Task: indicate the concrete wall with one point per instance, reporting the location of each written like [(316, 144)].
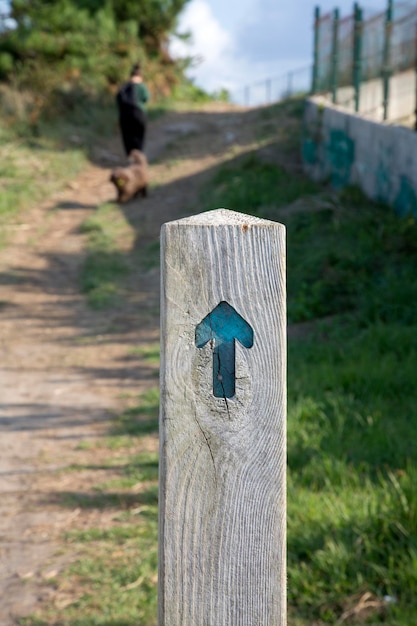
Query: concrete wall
[(402, 98), (347, 149)]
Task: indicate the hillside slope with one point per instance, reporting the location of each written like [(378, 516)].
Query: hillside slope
[(68, 368)]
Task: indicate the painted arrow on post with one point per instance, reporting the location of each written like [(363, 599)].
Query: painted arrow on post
[(222, 327)]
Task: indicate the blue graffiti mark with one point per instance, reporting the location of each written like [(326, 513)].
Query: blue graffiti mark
[(383, 183), (341, 151), (406, 200), (222, 327), (309, 151), (383, 174)]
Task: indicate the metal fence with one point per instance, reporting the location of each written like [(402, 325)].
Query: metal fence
[(274, 89), (372, 49)]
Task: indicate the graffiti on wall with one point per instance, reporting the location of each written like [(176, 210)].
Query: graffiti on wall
[(337, 159), (383, 175), (312, 135), (309, 150), (341, 155), (406, 200)]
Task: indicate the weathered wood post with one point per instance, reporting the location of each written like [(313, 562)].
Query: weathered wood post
[(222, 520)]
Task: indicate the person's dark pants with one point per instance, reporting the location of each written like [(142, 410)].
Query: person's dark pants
[(133, 128)]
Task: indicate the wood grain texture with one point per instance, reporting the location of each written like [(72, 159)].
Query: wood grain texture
[(223, 461)]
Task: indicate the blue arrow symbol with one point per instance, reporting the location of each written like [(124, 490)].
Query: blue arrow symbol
[(222, 327)]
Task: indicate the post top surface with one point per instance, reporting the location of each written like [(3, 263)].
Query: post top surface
[(226, 217)]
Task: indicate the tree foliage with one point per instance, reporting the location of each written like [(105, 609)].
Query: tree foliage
[(84, 42), (154, 18)]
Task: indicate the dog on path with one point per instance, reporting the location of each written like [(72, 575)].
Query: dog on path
[(132, 179)]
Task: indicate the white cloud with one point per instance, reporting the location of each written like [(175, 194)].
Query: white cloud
[(242, 42), (211, 44)]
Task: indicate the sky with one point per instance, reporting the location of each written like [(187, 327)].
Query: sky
[(243, 42)]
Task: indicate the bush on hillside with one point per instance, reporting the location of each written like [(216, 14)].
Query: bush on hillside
[(64, 51)]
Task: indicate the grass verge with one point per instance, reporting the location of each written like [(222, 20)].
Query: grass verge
[(352, 422), (112, 582), (108, 234), (30, 172)]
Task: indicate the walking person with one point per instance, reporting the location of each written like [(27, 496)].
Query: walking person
[(131, 101)]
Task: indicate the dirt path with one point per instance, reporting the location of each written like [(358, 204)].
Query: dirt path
[(66, 369)]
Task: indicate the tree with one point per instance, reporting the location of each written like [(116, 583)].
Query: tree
[(155, 18), (85, 41)]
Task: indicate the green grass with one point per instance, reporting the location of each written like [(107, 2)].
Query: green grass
[(29, 173), (352, 521), (105, 264), (149, 353), (352, 418), (141, 419), (253, 186), (39, 157), (113, 580), (360, 257), (139, 468), (149, 255), (352, 421)]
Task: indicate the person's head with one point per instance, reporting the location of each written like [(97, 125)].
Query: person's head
[(136, 71)]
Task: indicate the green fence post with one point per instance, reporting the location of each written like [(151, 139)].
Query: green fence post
[(357, 53), (290, 84), (268, 91), (386, 69), (415, 123), (335, 56), (314, 84)]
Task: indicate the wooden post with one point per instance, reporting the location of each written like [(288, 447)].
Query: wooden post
[(222, 519)]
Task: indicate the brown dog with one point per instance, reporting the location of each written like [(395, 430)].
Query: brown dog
[(132, 179)]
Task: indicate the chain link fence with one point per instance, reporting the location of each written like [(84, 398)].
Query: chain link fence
[(367, 61), (275, 89)]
